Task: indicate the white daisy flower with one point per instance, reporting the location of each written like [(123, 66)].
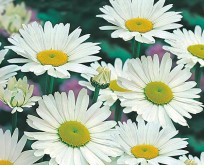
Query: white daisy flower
[(7, 71), (3, 3), (159, 93), (108, 95), (18, 94), (12, 150), (140, 19), (188, 46), (70, 132), (2, 54), (53, 49), (113, 162), (190, 160), (148, 144)]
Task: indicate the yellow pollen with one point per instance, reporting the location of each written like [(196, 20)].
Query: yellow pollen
[(5, 162), (190, 162), (158, 93), (141, 25), (52, 57), (145, 151), (115, 87), (197, 50), (74, 134)]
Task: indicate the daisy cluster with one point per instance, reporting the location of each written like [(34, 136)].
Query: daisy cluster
[(76, 130)]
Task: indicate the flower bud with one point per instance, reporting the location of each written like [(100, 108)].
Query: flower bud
[(102, 80), (18, 94)]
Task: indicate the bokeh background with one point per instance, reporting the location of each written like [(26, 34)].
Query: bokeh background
[(83, 13)]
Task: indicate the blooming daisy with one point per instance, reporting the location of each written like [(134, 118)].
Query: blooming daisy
[(70, 132), (108, 95), (18, 94), (190, 160), (7, 71), (148, 144), (53, 49), (11, 150), (140, 19), (159, 93), (2, 54), (188, 46)]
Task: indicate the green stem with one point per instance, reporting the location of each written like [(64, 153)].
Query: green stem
[(134, 48), (96, 94), (118, 111), (198, 74), (138, 49), (52, 80), (46, 83), (14, 121)]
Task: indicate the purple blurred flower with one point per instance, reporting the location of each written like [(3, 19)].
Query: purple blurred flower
[(36, 91), (124, 118), (4, 107), (156, 49), (34, 15), (201, 81), (72, 84)]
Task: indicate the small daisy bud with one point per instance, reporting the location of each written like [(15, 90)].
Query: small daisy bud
[(102, 80), (190, 162), (18, 94)]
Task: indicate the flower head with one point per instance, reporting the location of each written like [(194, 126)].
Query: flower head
[(110, 94), (12, 150), (148, 143), (188, 46), (14, 16), (7, 71), (3, 4), (140, 19), (72, 133), (190, 160), (53, 50), (18, 94), (102, 79), (158, 92)]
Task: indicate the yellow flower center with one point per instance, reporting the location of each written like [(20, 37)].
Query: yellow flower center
[(190, 162), (145, 151), (158, 93), (141, 25), (74, 134), (5, 162), (52, 57), (115, 87), (197, 50)]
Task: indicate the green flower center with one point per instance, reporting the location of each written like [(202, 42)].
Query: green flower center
[(158, 93), (74, 134), (145, 151), (197, 50)]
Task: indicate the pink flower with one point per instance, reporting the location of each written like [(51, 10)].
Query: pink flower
[(123, 118), (4, 107), (71, 84), (36, 91), (201, 81), (156, 49)]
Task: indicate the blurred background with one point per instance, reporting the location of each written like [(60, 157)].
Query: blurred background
[(83, 13)]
